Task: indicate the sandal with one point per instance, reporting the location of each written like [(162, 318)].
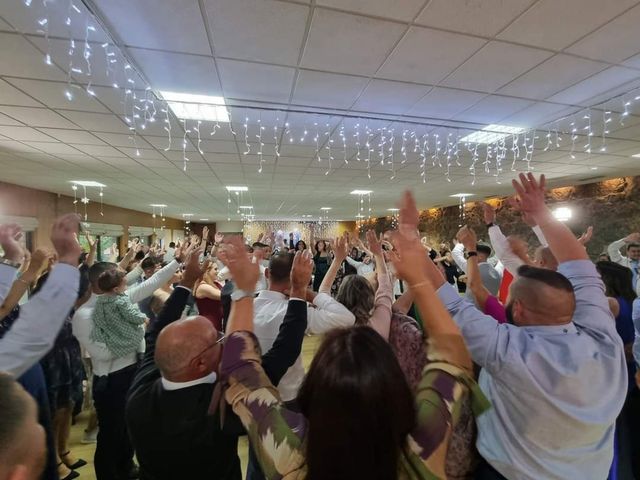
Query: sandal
[(75, 466)]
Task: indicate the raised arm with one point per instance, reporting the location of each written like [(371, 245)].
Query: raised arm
[(340, 252), (39, 258), (380, 319), (499, 242), (93, 249), (10, 235), (41, 318), (458, 256), (468, 238)]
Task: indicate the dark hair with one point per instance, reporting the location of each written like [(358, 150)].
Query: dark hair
[(259, 245), (548, 277), (301, 242), (280, 267), (84, 286), (148, 263), (110, 279), (359, 407), (633, 245), (98, 269), (356, 293), (172, 244), (618, 280), (139, 256), (13, 413), (482, 248), (315, 247)]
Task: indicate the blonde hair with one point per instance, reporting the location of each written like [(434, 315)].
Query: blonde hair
[(357, 294)]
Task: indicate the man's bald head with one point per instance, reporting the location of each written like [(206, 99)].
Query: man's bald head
[(540, 297), (544, 258), (186, 349), (22, 440)]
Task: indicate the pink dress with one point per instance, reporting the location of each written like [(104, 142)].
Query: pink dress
[(494, 308)]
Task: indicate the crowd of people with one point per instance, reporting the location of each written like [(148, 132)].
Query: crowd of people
[(487, 360)]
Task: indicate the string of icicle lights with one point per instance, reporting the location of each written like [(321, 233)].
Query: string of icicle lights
[(336, 141)]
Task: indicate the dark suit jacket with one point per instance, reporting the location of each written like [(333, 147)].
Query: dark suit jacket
[(173, 435)]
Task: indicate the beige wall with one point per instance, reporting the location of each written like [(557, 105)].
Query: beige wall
[(45, 207)]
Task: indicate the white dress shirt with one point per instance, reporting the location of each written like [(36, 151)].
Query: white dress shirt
[(102, 359), (503, 250), (40, 320), (269, 311), (224, 274), (634, 265), (556, 391), (361, 267), (491, 277)]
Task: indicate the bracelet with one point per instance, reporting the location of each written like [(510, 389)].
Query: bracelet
[(421, 284), (472, 254), (23, 281)]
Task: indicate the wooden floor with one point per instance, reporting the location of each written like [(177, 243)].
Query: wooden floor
[(309, 347)]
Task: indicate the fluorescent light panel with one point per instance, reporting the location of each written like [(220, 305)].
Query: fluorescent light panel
[(361, 192), (88, 183), (637, 155), (158, 205), (461, 195), (325, 208), (246, 207), (393, 209), (197, 107), (237, 189), (491, 133)]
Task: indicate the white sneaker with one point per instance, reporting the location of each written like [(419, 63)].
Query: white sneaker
[(90, 436)]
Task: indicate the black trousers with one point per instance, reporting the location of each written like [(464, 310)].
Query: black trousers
[(113, 459), (487, 472)]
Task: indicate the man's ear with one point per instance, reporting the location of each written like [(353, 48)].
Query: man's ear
[(267, 273)]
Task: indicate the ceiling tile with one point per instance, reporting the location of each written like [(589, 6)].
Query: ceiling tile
[(4, 120), (23, 18), (614, 42), (420, 56), (5, 26), (348, 43), (52, 95), (383, 96), (444, 103), (493, 109), (122, 140), (99, 150), (253, 81), (98, 122), (72, 136), (476, 17), (261, 30), (170, 26), (218, 146), (557, 73), (556, 25), (494, 65), (538, 114), (10, 95), (327, 89), (24, 133), (597, 84), (633, 62), (405, 10), (178, 72), (37, 117), (21, 59), (52, 148)]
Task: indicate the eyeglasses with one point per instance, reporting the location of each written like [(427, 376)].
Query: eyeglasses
[(219, 340)]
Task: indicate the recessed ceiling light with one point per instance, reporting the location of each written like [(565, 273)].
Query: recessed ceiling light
[(637, 155), (359, 216), (361, 192), (325, 208), (203, 220), (88, 183), (491, 133), (237, 189), (461, 195), (246, 207), (187, 214), (197, 107), (594, 168), (562, 213), (393, 209), (158, 205)]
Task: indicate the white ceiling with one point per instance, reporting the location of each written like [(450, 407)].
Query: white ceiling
[(467, 62)]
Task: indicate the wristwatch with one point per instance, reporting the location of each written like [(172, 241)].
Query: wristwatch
[(238, 294), (10, 263)]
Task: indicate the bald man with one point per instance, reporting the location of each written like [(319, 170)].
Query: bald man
[(556, 375), (22, 440), (168, 408)]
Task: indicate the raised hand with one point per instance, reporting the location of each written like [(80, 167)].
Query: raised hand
[(93, 244), (218, 237), (10, 235), (632, 238), (375, 243), (408, 217), (193, 271), (64, 237), (409, 260), (489, 213), (260, 237), (586, 236), (40, 259), (205, 234), (301, 273), (340, 249), (468, 238), (530, 194), (244, 272)]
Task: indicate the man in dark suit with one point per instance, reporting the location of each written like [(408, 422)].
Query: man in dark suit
[(167, 412)]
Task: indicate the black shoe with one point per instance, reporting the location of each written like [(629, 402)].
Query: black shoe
[(134, 472), (73, 474), (75, 466)]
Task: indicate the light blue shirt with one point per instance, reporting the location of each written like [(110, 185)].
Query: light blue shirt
[(556, 390), (636, 324)]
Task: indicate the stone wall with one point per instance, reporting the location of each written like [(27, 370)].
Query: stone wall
[(611, 206)]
